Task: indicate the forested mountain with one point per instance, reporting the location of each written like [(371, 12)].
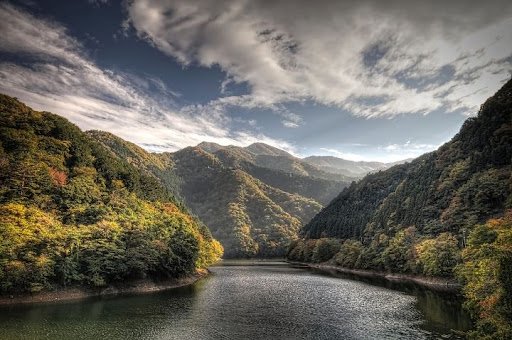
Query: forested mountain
[(345, 167), (445, 213), (280, 169), (248, 216), (253, 199), (268, 157), (151, 164), (319, 167), (73, 214), (464, 182)]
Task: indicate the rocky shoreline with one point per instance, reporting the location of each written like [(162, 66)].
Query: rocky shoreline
[(435, 283), (78, 293)]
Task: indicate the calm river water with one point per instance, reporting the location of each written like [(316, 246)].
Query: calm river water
[(270, 300)]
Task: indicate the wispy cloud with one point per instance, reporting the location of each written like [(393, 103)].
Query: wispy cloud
[(345, 155), (395, 152), (383, 153), (369, 57), (57, 75)]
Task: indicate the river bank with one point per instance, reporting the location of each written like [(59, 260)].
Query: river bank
[(436, 283), (248, 302), (126, 288)]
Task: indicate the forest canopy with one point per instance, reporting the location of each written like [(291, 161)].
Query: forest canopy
[(71, 213)]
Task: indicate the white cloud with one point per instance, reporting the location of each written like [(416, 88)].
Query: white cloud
[(289, 124), (433, 54), (61, 78), (395, 152), (384, 153), (345, 155)]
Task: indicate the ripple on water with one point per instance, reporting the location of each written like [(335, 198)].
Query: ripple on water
[(235, 302)]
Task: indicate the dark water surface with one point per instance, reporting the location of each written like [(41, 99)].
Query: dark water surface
[(239, 301)]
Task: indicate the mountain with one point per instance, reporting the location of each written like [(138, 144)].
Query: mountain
[(345, 167), (465, 181), (254, 199), (251, 207), (280, 169), (269, 157), (151, 164), (72, 213), (262, 149), (447, 213), (249, 217)]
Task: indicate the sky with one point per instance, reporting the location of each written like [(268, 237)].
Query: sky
[(361, 80)]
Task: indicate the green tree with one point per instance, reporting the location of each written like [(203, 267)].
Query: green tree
[(325, 249), (487, 275), (438, 256)]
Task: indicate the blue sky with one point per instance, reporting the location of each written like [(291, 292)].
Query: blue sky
[(355, 79)]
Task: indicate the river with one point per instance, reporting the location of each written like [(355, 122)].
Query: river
[(248, 300)]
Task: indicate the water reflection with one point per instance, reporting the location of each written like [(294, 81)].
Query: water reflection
[(262, 301), (442, 310)]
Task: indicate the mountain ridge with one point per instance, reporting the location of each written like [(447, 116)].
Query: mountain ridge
[(247, 215)]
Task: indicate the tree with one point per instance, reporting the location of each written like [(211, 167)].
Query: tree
[(438, 256), (487, 276), (325, 249), (349, 254)]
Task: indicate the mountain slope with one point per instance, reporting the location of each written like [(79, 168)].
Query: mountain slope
[(445, 214), (249, 217), (151, 164), (465, 181), (71, 213), (281, 170)]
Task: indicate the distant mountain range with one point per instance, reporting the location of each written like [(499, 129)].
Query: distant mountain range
[(328, 167), (340, 166)]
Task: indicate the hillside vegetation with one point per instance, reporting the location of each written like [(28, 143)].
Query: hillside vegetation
[(442, 214), (281, 170), (71, 213), (249, 217), (253, 199)]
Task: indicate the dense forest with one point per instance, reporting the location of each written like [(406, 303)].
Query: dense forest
[(253, 199), (71, 213), (280, 170), (446, 213)]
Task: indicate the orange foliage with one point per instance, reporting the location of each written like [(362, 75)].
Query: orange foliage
[(59, 177)]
